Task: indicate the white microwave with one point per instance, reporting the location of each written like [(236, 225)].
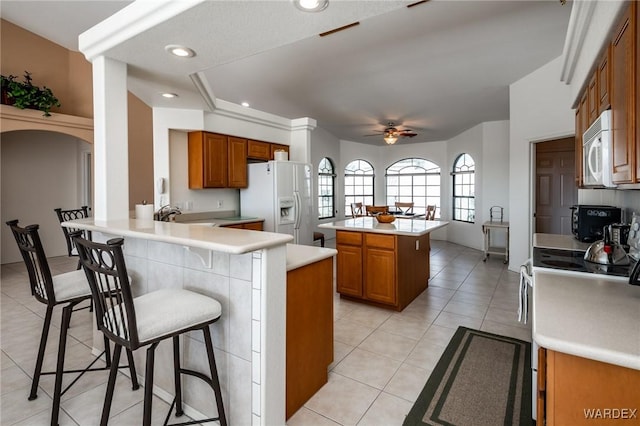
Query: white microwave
[(597, 163)]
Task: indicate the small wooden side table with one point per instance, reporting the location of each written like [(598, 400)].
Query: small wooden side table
[(487, 228)]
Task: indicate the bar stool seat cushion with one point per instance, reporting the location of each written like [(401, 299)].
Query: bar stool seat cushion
[(69, 286), (167, 311)]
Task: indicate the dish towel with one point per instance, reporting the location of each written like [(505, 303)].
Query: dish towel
[(526, 279)]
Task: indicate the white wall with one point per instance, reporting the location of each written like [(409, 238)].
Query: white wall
[(540, 109), (170, 126), (488, 144), (40, 172), (324, 144), (628, 200)]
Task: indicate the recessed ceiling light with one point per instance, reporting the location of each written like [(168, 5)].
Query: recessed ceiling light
[(169, 95), (245, 104), (181, 51), (311, 5)]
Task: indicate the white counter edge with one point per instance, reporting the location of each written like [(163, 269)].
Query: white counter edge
[(227, 240), (301, 255), (430, 227)]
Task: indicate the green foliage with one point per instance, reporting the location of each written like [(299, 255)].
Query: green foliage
[(24, 94)]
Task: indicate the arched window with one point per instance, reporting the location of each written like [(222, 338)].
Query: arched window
[(414, 180), (326, 189), (358, 184), (464, 189)]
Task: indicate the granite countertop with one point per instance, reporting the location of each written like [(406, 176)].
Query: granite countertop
[(228, 240), (300, 255), (557, 241), (409, 227), (215, 218), (586, 315)]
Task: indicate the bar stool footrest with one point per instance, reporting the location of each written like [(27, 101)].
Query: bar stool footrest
[(205, 379)]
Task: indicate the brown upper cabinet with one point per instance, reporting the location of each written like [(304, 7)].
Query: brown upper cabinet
[(604, 80), (259, 150), (623, 96), (264, 151), (594, 98), (277, 147), (581, 127), (217, 161)]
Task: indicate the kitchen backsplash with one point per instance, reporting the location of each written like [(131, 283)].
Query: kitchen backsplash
[(628, 200)]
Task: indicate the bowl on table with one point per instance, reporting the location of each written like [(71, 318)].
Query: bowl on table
[(385, 217)]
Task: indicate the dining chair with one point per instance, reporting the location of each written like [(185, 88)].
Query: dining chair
[(67, 215), (147, 320), (68, 289), (356, 210), (404, 207), (430, 213), (374, 210)]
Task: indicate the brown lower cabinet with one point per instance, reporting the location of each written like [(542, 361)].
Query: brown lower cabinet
[(382, 269), (578, 391), (255, 226), (309, 331)]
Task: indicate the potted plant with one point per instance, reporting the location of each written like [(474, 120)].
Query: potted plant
[(24, 94)]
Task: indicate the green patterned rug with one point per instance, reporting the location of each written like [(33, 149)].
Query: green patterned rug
[(480, 379)]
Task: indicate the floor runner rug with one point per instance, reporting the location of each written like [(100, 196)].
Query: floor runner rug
[(481, 379)]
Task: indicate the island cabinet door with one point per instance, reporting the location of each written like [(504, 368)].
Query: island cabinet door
[(349, 278), (380, 268)]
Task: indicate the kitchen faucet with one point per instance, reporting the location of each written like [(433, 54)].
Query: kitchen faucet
[(165, 213)]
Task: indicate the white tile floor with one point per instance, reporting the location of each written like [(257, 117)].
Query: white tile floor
[(382, 358)]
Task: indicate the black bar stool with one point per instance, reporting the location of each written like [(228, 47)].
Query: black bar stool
[(146, 321), (67, 215), (70, 288)]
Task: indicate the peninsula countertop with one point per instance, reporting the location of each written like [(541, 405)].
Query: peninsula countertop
[(300, 255), (228, 240), (560, 242), (408, 227), (587, 315)]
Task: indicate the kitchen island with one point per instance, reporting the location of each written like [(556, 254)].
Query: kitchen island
[(384, 264), (246, 271), (588, 329)]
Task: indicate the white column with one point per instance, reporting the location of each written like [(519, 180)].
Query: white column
[(111, 139), (300, 141)]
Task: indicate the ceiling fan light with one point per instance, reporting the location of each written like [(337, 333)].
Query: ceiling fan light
[(390, 139), (311, 5)]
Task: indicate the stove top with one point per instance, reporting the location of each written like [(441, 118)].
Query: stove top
[(573, 260)]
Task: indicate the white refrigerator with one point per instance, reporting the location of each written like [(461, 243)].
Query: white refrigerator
[(280, 192)]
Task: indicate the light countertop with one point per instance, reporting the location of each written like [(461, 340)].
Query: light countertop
[(557, 241), (228, 240), (409, 227), (591, 316), (300, 255)]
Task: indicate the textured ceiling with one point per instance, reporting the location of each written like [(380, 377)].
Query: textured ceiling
[(439, 68)]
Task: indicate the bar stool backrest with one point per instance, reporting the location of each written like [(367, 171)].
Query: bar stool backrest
[(67, 215), (110, 288), (35, 260)]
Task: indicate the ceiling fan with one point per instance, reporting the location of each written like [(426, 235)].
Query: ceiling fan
[(391, 133)]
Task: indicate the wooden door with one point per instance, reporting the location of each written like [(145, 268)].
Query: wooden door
[(604, 80), (237, 162), (556, 191), (622, 96)]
